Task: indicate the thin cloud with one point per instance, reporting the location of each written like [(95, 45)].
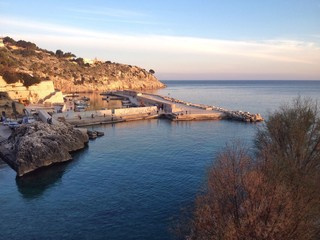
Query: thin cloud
[(178, 52), (97, 19), (110, 12), (276, 50), (112, 15)]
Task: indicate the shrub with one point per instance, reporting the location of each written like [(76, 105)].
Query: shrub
[(10, 77), (274, 195), (9, 40), (59, 53), (69, 55), (26, 52), (6, 59), (29, 80), (151, 71), (27, 45), (80, 61)]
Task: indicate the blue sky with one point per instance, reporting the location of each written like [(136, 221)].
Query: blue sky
[(203, 39)]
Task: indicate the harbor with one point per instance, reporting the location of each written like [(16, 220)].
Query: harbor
[(124, 106), (139, 106)]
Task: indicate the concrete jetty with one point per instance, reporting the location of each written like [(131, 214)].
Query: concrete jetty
[(179, 110), (149, 106), (153, 106), (108, 116)]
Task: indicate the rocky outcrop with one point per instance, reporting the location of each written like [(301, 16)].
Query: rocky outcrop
[(40, 144), (71, 74)]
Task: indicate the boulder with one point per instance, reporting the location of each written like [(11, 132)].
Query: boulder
[(40, 144)]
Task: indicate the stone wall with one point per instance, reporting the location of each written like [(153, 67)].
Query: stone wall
[(134, 111), (34, 93), (70, 115), (167, 107)]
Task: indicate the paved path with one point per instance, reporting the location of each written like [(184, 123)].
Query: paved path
[(182, 106)]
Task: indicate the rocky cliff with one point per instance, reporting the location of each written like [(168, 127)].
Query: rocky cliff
[(68, 72), (39, 144)]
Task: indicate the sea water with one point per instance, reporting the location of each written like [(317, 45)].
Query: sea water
[(134, 182)]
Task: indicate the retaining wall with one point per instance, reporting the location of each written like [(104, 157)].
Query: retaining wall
[(167, 107), (87, 114), (133, 111), (70, 115)]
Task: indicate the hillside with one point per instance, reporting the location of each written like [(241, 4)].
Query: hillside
[(24, 61)]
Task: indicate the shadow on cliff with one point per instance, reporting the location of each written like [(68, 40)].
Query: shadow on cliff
[(34, 184)]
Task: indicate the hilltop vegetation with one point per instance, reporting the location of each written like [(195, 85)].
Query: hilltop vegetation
[(25, 61)]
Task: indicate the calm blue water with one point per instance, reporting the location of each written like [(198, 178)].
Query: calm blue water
[(133, 182)]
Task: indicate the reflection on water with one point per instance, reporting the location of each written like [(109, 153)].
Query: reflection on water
[(131, 183), (96, 102), (35, 184)]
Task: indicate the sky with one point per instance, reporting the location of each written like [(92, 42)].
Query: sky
[(178, 39)]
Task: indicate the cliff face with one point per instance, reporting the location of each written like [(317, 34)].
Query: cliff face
[(71, 74), (39, 144)]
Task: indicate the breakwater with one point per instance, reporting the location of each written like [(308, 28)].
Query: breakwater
[(153, 106), (108, 116), (179, 110)]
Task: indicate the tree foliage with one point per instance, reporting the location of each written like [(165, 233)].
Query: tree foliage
[(10, 77), (275, 194), (59, 53), (27, 45), (80, 61), (27, 80), (151, 71), (9, 40)]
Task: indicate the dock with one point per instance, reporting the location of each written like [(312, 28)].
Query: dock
[(147, 106), (152, 106), (179, 110)]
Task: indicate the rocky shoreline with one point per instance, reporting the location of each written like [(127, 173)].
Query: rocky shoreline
[(39, 144)]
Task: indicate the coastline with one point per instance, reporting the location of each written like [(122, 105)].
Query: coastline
[(145, 167), (62, 127)]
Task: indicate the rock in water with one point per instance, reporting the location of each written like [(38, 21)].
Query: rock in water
[(40, 144)]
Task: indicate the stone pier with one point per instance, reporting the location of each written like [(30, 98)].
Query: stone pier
[(179, 110)]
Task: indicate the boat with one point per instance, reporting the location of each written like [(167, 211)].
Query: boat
[(81, 103), (126, 102), (11, 124), (112, 98), (105, 93), (72, 95), (84, 98)]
